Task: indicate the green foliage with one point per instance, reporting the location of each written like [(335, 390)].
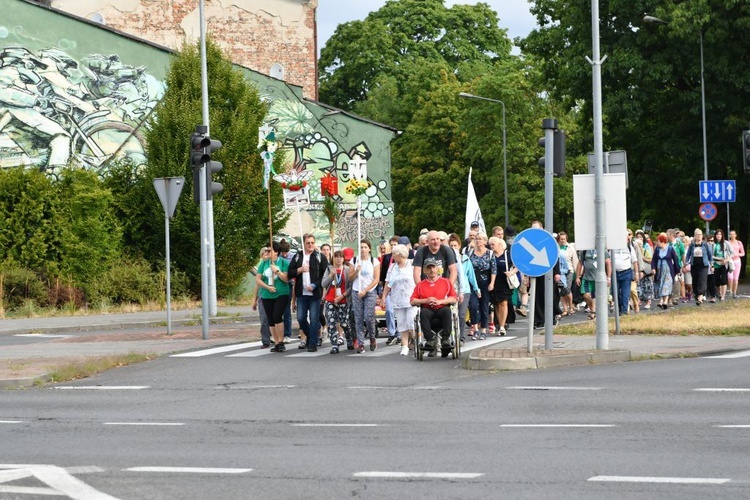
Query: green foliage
[(401, 36), (130, 281), (92, 239), (240, 211), (21, 287), (32, 230), (651, 88)]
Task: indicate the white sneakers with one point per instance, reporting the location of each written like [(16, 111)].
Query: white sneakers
[(404, 351)]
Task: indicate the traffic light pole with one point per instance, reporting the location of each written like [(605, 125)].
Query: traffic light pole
[(549, 125), (206, 216)]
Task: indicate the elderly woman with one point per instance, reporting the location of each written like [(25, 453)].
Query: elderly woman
[(501, 293), (272, 280), (399, 285), (666, 266), (698, 259), (364, 278), (485, 270)]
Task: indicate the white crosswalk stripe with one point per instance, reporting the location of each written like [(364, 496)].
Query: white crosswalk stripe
[(252, 350), (731, 355)]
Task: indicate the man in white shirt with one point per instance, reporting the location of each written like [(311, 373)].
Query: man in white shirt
[(625, 263)]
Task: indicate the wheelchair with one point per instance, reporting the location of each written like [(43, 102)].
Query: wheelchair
[(420, 344)]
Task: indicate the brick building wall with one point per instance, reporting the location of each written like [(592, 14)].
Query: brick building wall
[(274, 37)]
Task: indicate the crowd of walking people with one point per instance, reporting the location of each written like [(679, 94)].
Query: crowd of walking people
[(341, 292)]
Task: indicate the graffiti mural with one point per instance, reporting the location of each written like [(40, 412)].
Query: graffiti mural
[(56, 111), (329, 163)]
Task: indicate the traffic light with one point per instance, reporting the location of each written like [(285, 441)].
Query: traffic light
[(198, 143), (558, 153), (201, 149), (211, 167), (746, 151)]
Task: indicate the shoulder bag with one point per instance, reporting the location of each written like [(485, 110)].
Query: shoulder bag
[(513, 281)]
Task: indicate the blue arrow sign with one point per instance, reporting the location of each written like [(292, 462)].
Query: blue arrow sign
[(717, 191), (534, 252)]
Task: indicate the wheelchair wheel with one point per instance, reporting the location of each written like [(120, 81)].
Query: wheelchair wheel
[(418, 349), (456, 334)]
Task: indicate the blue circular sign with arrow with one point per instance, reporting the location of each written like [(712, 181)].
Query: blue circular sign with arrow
[(534, 252)]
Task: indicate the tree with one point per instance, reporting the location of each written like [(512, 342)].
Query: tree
[(403, 35), (240, 211), (651, 93)]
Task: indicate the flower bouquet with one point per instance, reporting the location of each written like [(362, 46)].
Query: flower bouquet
[(358, 187)]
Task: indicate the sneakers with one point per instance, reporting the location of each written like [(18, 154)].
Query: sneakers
[(391, 340), (373, 343), (360, 349), (502, 331), (521, 311), (313, 348), (302, 345), (335, 349), (341, 341), (482, 336), (492, 329), (404, 351)]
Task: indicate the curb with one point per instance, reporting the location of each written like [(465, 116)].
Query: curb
[(21, 383), (475, 362)]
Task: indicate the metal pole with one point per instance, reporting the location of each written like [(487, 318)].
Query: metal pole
[(169, 279), (505, 169), (549, 125), (703, 113), (532, 303), (602, 335), (205, 242)]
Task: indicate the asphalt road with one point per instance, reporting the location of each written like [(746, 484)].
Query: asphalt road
[(284, 426)]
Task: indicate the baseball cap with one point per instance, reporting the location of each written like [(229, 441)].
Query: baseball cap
[(424, 230), (404, 240), (475, 224), (429, 262), (348, 253)]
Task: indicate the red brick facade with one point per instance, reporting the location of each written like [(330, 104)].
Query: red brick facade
[(257, 34)]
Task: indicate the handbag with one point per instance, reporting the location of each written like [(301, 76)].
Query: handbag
[(646, 269), (730, 265), (513, 282)]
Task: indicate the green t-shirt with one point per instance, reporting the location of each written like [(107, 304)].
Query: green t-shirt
[(264, 271), (679, 249)]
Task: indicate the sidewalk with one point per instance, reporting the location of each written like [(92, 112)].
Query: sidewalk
[(59, 341)]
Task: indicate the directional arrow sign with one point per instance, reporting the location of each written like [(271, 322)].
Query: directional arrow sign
[(534, 252), (717, 191)]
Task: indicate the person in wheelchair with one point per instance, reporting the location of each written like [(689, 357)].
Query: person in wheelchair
[(434, 296)]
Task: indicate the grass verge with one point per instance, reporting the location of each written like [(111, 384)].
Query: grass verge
[(724, 318), (91, 366)]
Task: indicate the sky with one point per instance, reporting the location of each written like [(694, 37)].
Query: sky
[(514, 14)]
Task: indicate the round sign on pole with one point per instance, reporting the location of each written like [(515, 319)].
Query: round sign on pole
[(534, 252), (708, 211)]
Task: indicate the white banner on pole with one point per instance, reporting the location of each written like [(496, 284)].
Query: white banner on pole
[(473, 212)]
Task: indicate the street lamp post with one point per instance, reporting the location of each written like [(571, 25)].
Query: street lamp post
[(656, 20), (505, 149)]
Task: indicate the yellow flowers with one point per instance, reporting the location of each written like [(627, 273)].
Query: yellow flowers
[(358, 187)]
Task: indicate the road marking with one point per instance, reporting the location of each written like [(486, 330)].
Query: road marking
[(470, 345), (44, 335), (732, 355), (739, 426), (11, 421), (722, 389), (305, 354), (413, 475), (553, 388), (370, 387), (594, 426), (251, 354), (189, 470), (102, 387), (335, 425), (163, 424), (254, 387), (217, 350), (660, 480), (60, 482)]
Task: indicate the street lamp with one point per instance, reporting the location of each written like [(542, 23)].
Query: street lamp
[(505, 149), (656, 20)]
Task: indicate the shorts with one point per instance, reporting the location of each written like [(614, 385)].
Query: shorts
[(688, 278), (588, 287), (405, 318)]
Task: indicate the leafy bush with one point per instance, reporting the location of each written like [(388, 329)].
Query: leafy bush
[(22, 286), (126, 282)]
